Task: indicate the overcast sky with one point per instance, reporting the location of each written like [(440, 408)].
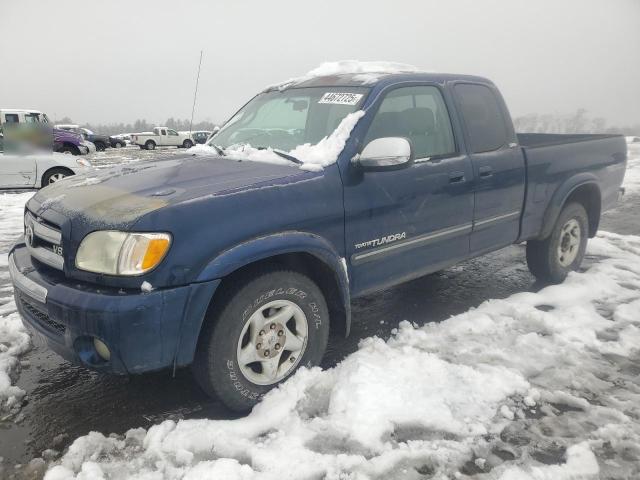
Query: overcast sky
[(118, 61)]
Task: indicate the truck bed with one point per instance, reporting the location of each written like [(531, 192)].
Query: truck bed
[(552, 159)]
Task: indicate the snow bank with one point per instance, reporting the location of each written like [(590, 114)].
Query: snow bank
[(442, 398), (14, 340), (314, 157), (366, 72)]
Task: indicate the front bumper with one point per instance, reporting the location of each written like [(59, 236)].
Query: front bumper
[(91, 148), (143, 331)]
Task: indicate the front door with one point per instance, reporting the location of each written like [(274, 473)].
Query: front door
[(404, 223), (17, 171)]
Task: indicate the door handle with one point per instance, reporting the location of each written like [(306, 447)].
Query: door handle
[(485, 172), (456, 177)]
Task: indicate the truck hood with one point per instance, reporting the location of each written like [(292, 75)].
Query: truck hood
[(121, 195)]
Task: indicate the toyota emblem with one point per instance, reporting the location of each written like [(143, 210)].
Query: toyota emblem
[(28, 235)]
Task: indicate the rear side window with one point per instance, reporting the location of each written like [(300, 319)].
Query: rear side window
[(418, 114), (11, 118), (483, 117)]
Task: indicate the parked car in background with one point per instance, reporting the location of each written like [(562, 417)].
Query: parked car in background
[(100, 141), (71, 143), (37, 170), (242, 261), (117, 142), (201, 136), (633, 140), (161, 137)]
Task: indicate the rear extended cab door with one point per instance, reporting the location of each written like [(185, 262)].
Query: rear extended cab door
[(498, 164)]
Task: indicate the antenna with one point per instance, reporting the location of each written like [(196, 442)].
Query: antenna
[(195, 93)]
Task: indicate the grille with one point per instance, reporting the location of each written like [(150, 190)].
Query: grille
[(44, 241), (43, 319)]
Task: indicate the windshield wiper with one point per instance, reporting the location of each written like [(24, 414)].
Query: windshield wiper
[(219, 149), (284, 155)]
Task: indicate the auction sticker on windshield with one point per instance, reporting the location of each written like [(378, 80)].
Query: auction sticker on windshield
[(341, 98)]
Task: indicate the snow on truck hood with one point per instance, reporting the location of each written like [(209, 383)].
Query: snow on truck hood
[(123, 194)]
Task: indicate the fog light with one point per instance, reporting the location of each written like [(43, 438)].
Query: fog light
[(102, 349)]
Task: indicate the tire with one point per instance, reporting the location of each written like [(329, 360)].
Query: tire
[(229, 329), (118, 145), (70, 150), (54, 175), (550, 260), (100, 147), (150, 145), (187, 144)]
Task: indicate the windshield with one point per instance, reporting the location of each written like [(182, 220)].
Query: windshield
[(283, 120)]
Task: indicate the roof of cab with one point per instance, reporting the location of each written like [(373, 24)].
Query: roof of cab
[(373, 79)]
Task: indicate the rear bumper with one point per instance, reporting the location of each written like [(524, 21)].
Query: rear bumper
[(143, 331)]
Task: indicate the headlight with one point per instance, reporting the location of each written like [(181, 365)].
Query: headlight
[(122, 253), (82, 162)]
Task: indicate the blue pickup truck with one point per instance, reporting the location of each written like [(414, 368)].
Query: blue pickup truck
[(241, 266)]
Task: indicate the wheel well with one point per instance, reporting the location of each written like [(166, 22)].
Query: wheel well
[(301, 262), (58, 169), (588, 196)]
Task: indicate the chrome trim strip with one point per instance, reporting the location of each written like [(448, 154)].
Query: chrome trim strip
[(45, 232), (24, 284), (46, 256), (496, 218), (422, 239)]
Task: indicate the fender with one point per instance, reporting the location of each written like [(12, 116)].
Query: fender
[(277, 244), (560, 197)]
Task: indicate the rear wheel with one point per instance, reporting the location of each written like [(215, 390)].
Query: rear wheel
[(101, 147), (150, 145), (54, 175), (264, 329), (551, 259)]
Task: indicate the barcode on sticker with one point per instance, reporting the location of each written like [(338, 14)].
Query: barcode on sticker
[(341, 98)]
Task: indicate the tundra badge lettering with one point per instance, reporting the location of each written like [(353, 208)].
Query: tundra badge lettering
[(376, 242)]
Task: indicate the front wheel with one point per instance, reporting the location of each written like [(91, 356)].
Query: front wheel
[(550, 260), (267, 327), (187, 144), (54, 175)]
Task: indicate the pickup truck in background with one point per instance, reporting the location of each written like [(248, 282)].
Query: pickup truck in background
[(161, 137), (241, 261)]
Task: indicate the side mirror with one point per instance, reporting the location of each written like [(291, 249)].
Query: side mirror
[(388, 153)]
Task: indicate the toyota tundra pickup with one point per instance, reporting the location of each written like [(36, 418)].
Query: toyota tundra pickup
[(241, 256)]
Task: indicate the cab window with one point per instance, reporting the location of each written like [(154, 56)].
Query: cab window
[(11, 118), (418, 114), (483, 118), (172, 132), (32, 118)]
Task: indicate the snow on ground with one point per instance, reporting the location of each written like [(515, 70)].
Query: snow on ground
[(539, 386), (14, 339), (314, 157), (537, 376)]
